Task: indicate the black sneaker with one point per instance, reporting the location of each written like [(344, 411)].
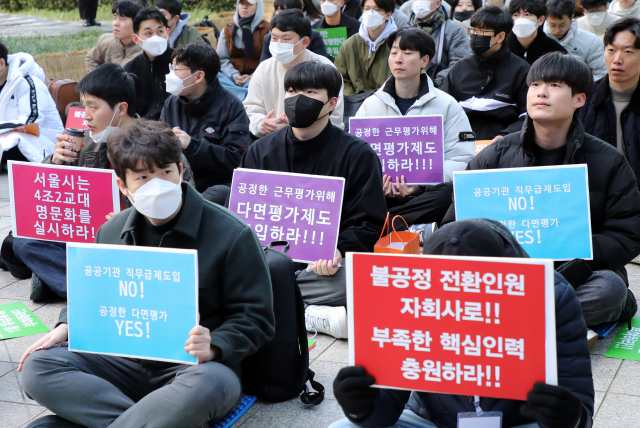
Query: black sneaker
[(86, 23), (39, 290), (94, 22)]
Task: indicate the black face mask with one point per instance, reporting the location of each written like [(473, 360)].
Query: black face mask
[(464, 15), (480, 44), (302, 111)]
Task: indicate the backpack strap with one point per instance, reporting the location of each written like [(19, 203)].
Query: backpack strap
[(313, 398)]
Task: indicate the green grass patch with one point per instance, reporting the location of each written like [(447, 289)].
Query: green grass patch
[(42, 45)]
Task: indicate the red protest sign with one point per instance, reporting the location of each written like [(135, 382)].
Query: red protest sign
[(457, 325), (75, 118), (60, 203)]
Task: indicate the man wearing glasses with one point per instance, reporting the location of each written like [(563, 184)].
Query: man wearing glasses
[(579, 43), (491, 84)]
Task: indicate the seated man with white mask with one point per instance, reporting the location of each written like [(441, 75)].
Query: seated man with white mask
[(290, 33), (109, 99), (151, 33), (311, 144), (235, 305)]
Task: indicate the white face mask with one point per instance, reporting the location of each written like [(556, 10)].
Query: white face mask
[(328, 8), (174, 84), (523, 27), (422, 9), (154, 45), (283, 52), (157, 198), (595, 18), (372, 19), (101, 137)]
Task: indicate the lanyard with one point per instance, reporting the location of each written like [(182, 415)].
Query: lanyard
[(476, 402)]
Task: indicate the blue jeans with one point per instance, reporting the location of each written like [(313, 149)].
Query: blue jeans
[(230, 85), (602, 297), (48, 260), (409, 419)]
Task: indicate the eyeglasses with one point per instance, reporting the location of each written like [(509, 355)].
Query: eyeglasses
[(481, 32), (376, 10), (561, 27), (172, 68)]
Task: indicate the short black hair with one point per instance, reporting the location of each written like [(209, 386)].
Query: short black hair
[(534, 7), (174, 7), (126, 8), (413, 39), (146, 14), (110, 83), (292, 20), (199, 56), (491, 17), (562, 68), (145, 143), (560, 8), (386, 5), (477, 4), (590, 4), (4, 53), (629, 23), (316, 75), (287, 4)]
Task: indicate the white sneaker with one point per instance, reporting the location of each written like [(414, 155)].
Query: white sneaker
[(592, 338), (328, 320)]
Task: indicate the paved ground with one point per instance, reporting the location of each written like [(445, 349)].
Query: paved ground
[(31, 26), (617, 382)]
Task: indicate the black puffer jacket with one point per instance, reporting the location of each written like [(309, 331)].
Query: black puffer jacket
[(599, 118), (613, 194), (574, 364), (541, 45), (149, 82)]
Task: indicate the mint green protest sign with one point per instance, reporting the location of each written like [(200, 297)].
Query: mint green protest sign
[(626, 345), (333, 39), (16, 320)]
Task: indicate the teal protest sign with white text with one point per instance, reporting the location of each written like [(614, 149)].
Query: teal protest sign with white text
[(137, 302), (545, 208)]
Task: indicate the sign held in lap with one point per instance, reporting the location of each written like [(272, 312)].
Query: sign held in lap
[(412, 146), (299, 208), (60, 203), (333, 39), (545, 208), (457, 325), (137, 302)]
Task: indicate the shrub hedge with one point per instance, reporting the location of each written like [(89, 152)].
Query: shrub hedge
[(14, 5)]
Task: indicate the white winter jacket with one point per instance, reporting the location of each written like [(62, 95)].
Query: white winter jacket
[(431, 101), (584, 45), (25, 99)]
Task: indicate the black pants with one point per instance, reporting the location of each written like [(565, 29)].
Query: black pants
[(88, 9), (430, 207)]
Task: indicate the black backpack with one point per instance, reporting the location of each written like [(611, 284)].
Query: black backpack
[(207, 23), (280, 370)]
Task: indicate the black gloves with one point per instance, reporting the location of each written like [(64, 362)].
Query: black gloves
[(552, 406), (352, 390), (576, 272)]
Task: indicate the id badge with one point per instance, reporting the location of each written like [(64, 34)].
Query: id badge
[(487, 420)]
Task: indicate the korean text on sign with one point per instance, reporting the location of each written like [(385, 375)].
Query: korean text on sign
[(333, 39), (130, 301), (16, 320), (412, 146), (301, 209), (75, 118), (456, 325), (60, 203), (545, 208)]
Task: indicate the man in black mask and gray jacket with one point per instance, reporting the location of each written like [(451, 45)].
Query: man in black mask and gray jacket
[(491, 84), (312, 145)]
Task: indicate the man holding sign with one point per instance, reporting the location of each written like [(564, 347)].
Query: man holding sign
[(569, 404), (235, 304), (312, 145), (552, 135)]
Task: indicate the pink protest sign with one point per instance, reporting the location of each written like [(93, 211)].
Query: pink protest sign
[(301, 209), (75, 118), (412, 146), (60, 203)]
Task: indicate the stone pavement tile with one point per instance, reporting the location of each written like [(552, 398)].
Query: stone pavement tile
[(619, 411), (323, 342), (257, 405), (4, 353), (10, 389), (5, 211), (18, 290), (602, 345), (326, 372), (597, 401), (627, 380), (13, 415), (633, 269), (48, 314), (5, 221), (5, 367), (604, 370), (338, 352), (294, 413)]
